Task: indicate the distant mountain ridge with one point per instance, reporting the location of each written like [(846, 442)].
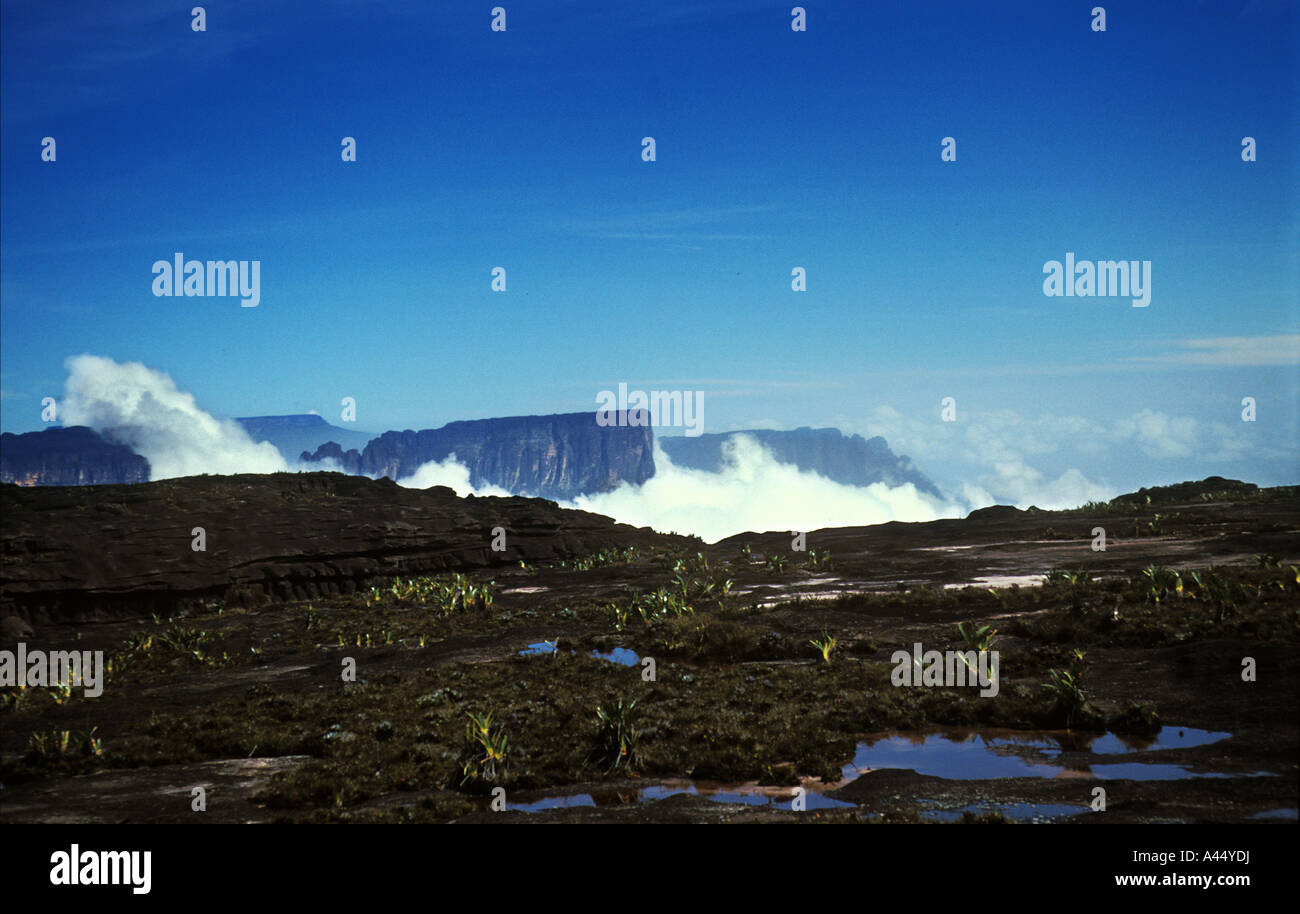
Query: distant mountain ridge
[(557, 457), (74, 456), (848, 459), (300, 432)]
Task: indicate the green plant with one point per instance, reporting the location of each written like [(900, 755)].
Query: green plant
[(1160, 582), (56, 745), (448, 593), (775, 563), (825, 645), (619, 615), (184, 640), (1067, 687), (616, 734), (818, 560), (483, 753), (62, 691), (978, 639), (1214, 590)]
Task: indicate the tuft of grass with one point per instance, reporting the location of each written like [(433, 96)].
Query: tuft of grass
[(448, 594), (775, 563), (1067, 687), (825, 645), (818, 560), (616, 734), (48, 747), (483, 753), (978, 639), (1160, 582)]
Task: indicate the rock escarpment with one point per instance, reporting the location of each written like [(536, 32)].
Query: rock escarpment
[(76, 456), (73, 553), (559, 457)]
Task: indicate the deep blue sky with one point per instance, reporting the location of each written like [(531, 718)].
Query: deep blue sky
[(775, 149)]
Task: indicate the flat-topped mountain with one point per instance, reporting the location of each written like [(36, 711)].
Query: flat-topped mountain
[(558, 457), (294, 434), (848, 459), (76, 456)]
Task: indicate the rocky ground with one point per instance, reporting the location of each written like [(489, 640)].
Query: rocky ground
[(231, 670)]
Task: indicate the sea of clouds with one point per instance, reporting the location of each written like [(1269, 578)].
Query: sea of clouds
[(132, 404)]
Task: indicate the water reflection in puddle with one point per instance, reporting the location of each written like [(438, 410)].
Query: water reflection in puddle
[(620, 655), (1000, 580), (1284, 815), (577, 799), (982, 756), (743, 794), (986, 755)]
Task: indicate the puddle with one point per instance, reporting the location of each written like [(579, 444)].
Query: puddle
[(1001, 580), (975, 756), (1113, 743), (954, 755), (1285, 815), (943, 756), (577, 799), (747, 794), (1016, 812), (743, 794), (620, 655)]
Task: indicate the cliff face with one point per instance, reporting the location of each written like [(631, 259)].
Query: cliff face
[(557, 457), (75, 456), (126, 550), (851, 460)]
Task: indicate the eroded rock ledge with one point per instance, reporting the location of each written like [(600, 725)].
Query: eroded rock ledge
[(126, 550)]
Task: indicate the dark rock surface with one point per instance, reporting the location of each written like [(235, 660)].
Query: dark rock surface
[(848, 459), (126, 550), (76, 456), (560, 456)]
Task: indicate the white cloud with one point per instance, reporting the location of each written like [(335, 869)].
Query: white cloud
[(753, 492), (1279, 349), (448, 473), (134, 405), (1159, 435)]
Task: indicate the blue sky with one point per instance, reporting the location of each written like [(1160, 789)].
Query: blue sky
[(775, 149)]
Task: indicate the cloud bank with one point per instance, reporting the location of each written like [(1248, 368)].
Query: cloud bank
[(448, 473), (129, 403), (752, 491)]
